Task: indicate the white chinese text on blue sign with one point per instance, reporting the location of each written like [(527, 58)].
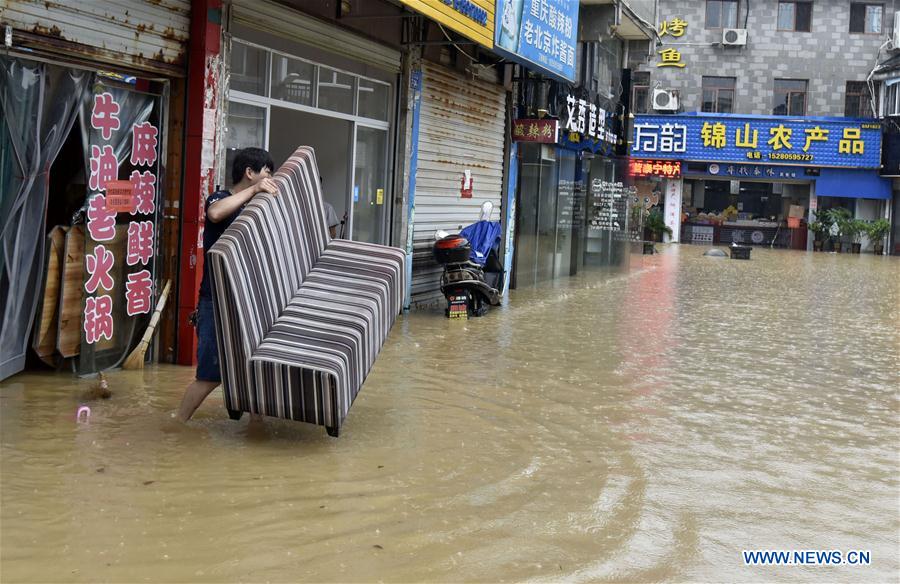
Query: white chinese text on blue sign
[(540, 34), (834, 142)]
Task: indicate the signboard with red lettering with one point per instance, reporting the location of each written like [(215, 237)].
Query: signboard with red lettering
[(123, 213), (119, 196), (662, 168), (543, 131)]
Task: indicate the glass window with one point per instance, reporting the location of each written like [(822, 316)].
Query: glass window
[(866, 18), (373, 100), (859, 101), (721, 13), (786, 11), (718, 94), (640, 97), (795, 16), (790, 97), (336, 90), (371, 196), (249, 69), (292, 80), (246, 128)]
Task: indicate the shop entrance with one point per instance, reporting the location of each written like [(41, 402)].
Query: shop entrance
[(745, 212), (280, 102)]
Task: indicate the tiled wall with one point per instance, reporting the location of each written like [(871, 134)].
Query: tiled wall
[(828, 57)]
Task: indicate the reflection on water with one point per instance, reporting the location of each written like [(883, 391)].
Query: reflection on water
[(629, 427)]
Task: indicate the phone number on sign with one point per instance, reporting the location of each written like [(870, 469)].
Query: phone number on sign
[(790, 156)]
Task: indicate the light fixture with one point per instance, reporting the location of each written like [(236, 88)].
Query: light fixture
[(345, 7)]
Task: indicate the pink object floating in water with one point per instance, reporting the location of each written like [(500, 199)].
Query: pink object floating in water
[(87, 415)]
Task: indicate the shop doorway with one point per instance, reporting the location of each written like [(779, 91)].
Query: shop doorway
[(280, 101), (331, 139)]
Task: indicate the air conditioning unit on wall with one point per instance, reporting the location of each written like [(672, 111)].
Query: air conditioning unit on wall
[(665, 100), (734, 37)]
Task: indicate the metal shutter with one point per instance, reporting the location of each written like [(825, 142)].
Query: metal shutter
[(461, 127), (151, 36), (290, 24)]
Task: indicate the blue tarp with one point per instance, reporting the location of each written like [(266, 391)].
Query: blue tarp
[(482, 236)]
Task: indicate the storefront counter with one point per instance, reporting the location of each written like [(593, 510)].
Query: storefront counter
[(743, 233)]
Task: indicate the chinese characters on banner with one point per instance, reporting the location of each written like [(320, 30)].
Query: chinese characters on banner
[(671, 57), (539, 33), (544, 131), (109, 195), (762, 140), (588, 120), (665, 168)]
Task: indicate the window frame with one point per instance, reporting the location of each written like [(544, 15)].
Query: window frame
[(636, 86), (890, 101), (788, 93), (704, 87), (720, 26), (866, 6), (866, 103), (794, 3)]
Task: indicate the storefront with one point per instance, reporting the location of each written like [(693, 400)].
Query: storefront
[(456, 137), (298, 80), (84, 183), (571, 205), (757, 180)]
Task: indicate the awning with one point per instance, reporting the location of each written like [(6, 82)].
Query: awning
[(852, 184)]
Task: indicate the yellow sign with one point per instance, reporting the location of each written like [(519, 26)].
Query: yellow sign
[(474, 19), (674, 27), (379, 196), (670, 58)]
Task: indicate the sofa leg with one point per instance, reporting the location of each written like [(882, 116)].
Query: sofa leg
[(333, 431), (235, 414)]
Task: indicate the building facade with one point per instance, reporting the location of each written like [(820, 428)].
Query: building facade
[(801, 70), (792, 58), (90, 175)]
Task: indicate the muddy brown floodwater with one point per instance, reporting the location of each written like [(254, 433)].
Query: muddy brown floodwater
[(641, 426)]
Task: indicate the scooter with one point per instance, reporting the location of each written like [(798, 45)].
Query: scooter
[(472, 272)]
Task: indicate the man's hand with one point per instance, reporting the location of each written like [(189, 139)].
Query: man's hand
[(267, 185)]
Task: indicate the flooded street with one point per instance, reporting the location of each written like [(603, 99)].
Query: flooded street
[(637, 427)]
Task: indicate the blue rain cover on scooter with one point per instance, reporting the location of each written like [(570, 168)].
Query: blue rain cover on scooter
[(483, 236)]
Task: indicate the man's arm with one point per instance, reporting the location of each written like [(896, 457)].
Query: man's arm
[(226, 207)]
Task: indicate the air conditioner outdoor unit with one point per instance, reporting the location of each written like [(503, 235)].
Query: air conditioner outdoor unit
[(665, 100), (734, 37)]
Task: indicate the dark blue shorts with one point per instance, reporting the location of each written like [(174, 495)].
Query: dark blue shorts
[(207, 348)]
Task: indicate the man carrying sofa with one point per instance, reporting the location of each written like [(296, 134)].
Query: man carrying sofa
[(251, 174)]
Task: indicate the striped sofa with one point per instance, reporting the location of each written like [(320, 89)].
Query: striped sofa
[(299, 319)]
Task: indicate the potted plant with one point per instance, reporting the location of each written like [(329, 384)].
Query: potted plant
[(877, 230), (854, 228), (656, 225), (839, 219), (820, 228)]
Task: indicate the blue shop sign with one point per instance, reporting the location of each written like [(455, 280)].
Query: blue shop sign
[(540, 34), (810, 141), (757, 171)]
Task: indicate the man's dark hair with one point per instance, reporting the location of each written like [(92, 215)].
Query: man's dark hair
[(253, 158)]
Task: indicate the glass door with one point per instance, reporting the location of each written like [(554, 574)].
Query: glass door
[(370, 189)]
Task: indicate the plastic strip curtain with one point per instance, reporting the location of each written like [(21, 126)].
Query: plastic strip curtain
[(39, 104)]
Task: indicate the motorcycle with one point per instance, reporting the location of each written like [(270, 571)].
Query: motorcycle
[(472, 273)]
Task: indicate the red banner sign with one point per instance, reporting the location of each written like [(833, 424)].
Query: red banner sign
[(119, 196), (544, 131), (663, 168)]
